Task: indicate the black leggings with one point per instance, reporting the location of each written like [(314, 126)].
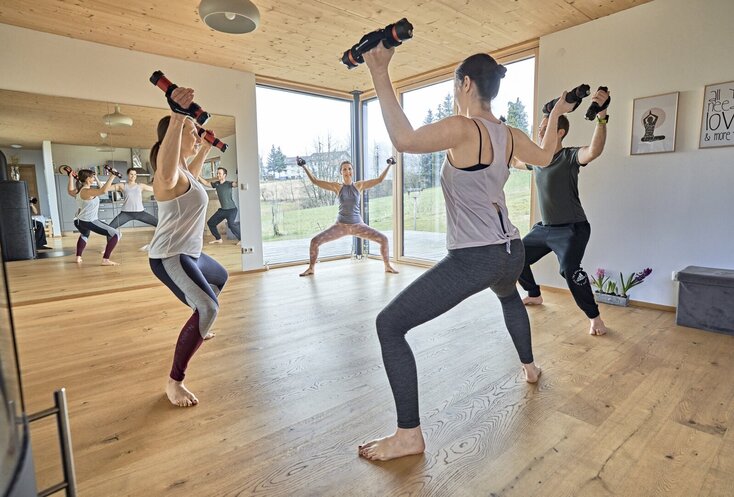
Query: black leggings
[(221, 215), (459, 275), (568, 242)]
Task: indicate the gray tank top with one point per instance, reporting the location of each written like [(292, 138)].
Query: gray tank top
[(133, 198), (349, 205), (88, 209), (476, 211), (180, 227)]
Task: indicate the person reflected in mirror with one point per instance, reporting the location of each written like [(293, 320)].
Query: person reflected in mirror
[(349, 218), (87, 195), (176, 256), (39, 228), (227, 207), (132, 204)]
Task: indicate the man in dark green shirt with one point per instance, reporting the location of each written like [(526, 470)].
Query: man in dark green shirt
[(564, 229), (227, 209)]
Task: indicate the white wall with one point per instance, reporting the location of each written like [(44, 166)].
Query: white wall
[(54, 65), (664, 211)]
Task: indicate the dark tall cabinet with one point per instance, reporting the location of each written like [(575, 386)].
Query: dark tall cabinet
[(16, 226)]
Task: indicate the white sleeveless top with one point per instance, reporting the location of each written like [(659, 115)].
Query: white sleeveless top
[(88, 209), (476, 210), (133, 198), (180, 227)]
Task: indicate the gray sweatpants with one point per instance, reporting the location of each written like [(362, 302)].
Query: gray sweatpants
[(459, 275)]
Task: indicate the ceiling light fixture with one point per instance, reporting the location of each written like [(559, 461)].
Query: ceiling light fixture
[(117, 118), (230, 16), (104, 146), (15, 145)]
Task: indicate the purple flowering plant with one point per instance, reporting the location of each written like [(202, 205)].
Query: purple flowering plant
[(605, 284)]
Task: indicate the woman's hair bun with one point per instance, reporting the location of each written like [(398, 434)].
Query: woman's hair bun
[(501, 70)]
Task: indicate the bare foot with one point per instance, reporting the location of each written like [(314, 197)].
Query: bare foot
[(107, 262), (597, 326), (307, 272), (533, 300), (405, 442), (179, 395), (532, 372), (215, 241), (209, 336), (78, 259), (390, 269), (239, 244)]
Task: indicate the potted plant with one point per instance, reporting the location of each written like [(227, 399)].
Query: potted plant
[(607, 290)]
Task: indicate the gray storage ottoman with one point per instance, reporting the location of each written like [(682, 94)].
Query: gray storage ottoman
[(706, 299)]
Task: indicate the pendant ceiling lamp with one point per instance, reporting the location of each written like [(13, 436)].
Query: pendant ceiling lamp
[(117, 118), (230, 16), (104, 146)]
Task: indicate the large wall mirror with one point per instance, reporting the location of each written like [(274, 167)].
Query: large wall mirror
[(78, 136)]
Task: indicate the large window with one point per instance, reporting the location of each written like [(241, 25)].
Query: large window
[(424, 210), (293, 210), (516, 101), (378, 206)]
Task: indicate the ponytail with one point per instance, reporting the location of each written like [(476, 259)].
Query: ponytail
[(82, 176), (154, 155), (161, 131)]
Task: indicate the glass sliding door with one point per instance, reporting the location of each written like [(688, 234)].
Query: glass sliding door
[(424, 211), (293, 210), (378, 201), (516, 101)]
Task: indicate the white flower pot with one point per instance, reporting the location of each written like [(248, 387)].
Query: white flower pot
[(607, 298)]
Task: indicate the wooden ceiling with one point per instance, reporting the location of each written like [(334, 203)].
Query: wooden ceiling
[(301, 40), (27, 119)]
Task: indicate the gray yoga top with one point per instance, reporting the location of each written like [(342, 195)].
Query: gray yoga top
[(133, 198), (224, 193), (349, 205), (476, 211)]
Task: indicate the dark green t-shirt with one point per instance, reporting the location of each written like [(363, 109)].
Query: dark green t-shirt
[(224, 193), (558, 188)]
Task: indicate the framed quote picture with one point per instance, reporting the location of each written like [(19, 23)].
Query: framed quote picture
[(717, 116), (653, 124)]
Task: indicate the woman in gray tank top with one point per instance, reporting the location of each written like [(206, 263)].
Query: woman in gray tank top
[(485, 250), (175, 251), (349, 219)]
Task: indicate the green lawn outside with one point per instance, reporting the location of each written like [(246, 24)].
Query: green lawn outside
[(295, 223)]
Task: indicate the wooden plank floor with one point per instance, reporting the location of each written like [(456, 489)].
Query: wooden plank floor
[(293, 382)]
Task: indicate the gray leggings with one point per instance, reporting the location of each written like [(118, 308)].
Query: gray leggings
[(459, 275), (126, 216)]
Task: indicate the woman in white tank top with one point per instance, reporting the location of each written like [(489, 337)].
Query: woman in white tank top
[(175, 251), (86, 220), (485, 250), (132, 206)]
